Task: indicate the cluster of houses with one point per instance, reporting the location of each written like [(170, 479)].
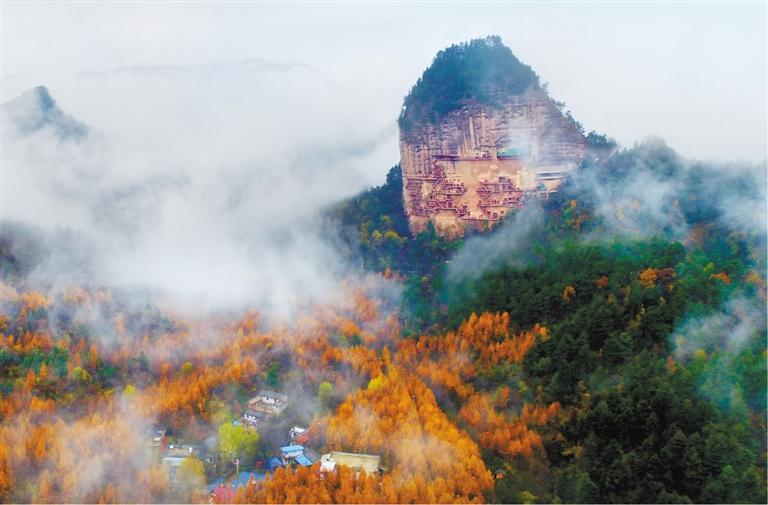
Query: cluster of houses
[(292, 455), (295, 454), (258, 411)]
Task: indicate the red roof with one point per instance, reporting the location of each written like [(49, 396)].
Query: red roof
[(223, 494)]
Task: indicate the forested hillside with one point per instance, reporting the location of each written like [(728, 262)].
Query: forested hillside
[(604, 345), (654, 305), (213, 291), (605, 342)]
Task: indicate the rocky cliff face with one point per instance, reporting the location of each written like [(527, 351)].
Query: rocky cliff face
[(478, 162), (480, 136)]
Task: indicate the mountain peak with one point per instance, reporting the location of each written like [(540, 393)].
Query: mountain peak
[(479, 137), (35, 110), (43, 97), (482, 71)]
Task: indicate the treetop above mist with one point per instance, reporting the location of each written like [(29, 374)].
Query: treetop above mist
[(481, 70)]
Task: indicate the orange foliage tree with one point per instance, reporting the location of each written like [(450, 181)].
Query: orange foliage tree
[(6, 473), (397, 416), (308, 485), (507, 435)]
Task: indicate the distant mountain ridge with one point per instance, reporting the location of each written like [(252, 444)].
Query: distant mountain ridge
[(36, 110)]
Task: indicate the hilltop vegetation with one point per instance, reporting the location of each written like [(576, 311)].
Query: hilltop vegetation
[(481, 70)]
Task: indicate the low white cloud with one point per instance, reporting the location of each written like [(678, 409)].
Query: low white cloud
[(205, 182)]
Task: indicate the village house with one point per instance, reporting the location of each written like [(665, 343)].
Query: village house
[(273, 464), (222, 494), (158, 434), (299, 435), (253, 418), (268, 402), (183, 451), (172, 464), (244, 478), (177, 453), (291, 451), (218, 481), (298, 454), (368, 462)]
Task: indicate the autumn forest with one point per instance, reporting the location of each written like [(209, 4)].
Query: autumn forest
[(602, 342), (598, 369)]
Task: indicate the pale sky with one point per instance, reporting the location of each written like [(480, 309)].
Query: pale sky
[(694, 74)]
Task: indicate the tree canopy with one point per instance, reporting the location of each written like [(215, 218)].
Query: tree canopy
[(481, 70)]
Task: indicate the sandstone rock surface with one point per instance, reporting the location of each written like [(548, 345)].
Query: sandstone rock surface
[(475, 164)]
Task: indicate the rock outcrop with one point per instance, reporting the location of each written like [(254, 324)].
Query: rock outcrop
[(471, 165)]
